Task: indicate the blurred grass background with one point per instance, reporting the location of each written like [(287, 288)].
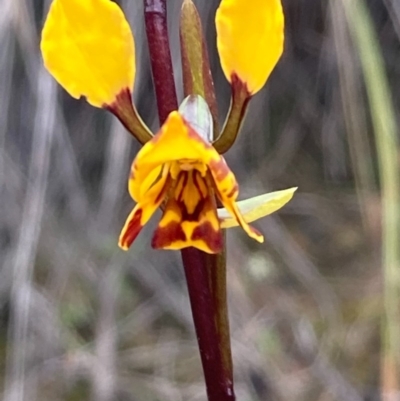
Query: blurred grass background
[(309, 309)]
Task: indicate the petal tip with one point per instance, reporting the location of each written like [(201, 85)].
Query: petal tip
[(123, 246), (131, 229)]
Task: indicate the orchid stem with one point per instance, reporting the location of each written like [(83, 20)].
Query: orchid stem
[(155, 14), (213, 351), (205, 274)]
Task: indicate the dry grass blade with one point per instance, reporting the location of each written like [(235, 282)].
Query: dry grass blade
[(26, 247), (386, 138), (353, 109)]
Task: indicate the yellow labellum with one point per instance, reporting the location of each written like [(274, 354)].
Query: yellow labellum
[(88, 47), (250, 39), (255, 208)]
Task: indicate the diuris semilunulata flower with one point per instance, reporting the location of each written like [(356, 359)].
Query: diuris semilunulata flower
[(179, 167), (88, 46)]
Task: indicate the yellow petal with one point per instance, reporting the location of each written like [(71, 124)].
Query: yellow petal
[(88, 47), (250, 39), (131, 228), (255, 208), (176, 141), (138, 189), (142, 212)]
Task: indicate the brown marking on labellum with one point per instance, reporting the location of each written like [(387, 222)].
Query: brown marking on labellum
[(195, 216), (205, 232), (196, 180), (166, 236), (202, 204), (183, 178)]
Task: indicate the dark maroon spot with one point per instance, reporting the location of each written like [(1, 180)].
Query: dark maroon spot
[(166, 236), (195, 216), (207, 234)]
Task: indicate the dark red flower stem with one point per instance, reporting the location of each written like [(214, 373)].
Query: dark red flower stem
[(155, 14), (205, 274), (217, 370)]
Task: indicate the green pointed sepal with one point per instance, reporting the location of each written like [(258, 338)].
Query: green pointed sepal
[(197, 78), (255, 208)]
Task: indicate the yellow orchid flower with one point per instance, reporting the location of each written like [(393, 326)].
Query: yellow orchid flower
[(188, 178), (88, 46), (183, 172)]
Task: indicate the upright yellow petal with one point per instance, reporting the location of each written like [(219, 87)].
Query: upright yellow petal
[(249, 39), (87, 45)]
